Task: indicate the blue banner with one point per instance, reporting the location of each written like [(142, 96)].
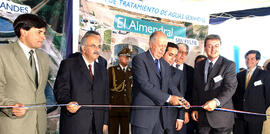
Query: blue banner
[(125, 23)]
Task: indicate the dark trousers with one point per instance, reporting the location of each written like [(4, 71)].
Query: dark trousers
[(119, 119), (243, 127), (157, 129), (210, 130), (190, 128), (92, 129)]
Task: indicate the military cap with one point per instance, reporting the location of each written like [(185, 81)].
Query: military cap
[(124, 52)]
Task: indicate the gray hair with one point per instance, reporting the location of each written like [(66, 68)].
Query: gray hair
[(183, 44), (87, 34)]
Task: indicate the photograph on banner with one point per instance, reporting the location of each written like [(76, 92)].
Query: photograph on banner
[(53, 13), (130, 24)]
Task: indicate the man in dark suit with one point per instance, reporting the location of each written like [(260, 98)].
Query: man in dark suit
[(81, 81), (252, 94), (177, 80), (187, 70), (214, 86), (151, 76)]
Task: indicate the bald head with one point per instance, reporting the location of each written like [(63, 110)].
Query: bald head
[(158, 44)]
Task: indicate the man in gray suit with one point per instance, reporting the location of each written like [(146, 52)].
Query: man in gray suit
[(151, 76), (214, 85), (23, 77)]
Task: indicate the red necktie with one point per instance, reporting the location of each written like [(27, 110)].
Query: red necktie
[(90, 71)]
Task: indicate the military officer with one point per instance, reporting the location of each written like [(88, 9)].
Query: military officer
[(120, 83)]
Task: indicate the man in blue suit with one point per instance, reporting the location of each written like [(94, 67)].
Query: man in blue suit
[(151, 76)]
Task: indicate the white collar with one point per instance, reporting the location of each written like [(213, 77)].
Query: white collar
[(87, 63), (152, 55), (212, 61), (123, 67), (25, 49), (180, 67)]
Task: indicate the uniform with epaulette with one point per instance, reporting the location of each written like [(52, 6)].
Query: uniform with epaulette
[(120, 83)]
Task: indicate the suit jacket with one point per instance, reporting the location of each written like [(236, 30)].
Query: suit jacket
[(221, 84), (73, 83), (17, 86), (177, 78), (150, 88), (256, 97), (188, 81)]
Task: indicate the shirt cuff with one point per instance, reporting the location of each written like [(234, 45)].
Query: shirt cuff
[(180, 120), (168, 100), (218, 102)]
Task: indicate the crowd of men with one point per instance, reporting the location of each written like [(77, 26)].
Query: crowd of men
[(158, 82)]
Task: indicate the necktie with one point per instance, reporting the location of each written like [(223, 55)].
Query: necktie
[(209, 69), (33, 67), (156, 62), (177, 66), (124, 69), (247, 79), (90, 71)]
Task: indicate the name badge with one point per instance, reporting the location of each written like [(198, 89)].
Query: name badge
[(257, 83), (218, 78)]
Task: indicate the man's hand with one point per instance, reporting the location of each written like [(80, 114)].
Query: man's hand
[(18, 111), (186, 118), (195, 115), (176, 101), (74, 107), (179, 125), (105, 128), (210, 105)]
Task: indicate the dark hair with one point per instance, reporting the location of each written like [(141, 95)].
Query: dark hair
[(268, 67), (172, 45), (88, 33), (258, 54), (27, 21), (211, 37), (200, 56)]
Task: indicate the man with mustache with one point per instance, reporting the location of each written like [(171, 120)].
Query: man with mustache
[(81, 81)]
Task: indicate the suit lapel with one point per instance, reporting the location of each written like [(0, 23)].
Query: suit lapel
[(97, 72), (202, 70), (23, 61), (40, 66), (152, 63)]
